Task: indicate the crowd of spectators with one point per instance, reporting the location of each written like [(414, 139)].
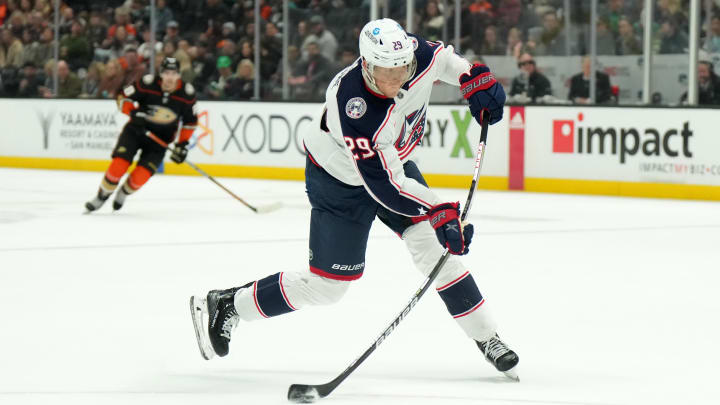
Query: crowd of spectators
[(106, 44)]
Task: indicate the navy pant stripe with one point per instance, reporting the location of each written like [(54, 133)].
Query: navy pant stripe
[(270, 297), (462, 296)]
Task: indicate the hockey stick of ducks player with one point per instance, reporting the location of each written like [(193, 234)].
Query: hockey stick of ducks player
[(302, 393), (259, 209)]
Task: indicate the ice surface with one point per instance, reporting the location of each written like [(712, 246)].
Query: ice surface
[(606, 300)]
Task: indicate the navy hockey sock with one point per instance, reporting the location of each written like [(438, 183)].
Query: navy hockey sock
[(461, 296)]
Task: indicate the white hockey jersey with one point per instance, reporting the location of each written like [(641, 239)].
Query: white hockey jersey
[(363, 138)]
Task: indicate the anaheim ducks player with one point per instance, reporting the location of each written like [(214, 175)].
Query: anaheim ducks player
[(155, 105), (360, 167)]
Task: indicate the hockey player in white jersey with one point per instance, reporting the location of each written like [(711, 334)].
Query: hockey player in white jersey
[(359, 167)]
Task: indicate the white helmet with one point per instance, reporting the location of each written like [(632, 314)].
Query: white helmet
[(384, 43)]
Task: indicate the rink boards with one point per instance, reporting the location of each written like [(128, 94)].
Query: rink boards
[(649, 152)]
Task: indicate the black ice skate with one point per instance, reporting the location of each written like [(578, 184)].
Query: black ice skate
[(214, 318), (97, 202), (499, 355), (119, 198)]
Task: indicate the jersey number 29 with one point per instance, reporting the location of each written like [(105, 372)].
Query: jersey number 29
[(363, 144)]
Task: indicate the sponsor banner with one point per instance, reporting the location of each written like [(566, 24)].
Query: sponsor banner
[(59, 128), (665, 145), (247, 134)]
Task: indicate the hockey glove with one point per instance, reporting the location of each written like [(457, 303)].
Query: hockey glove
[(483, 93), (179, 152), (445, 218)]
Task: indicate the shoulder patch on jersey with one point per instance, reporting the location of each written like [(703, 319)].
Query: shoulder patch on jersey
[(189, 89), (129, 90), (415, 43), (355, 107), (148, 79)]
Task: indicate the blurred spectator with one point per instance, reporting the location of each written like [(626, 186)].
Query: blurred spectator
[(348, 55), (228, 48), (3, 11), (246, 50), (671, 10), (41, 50), (213, 14), (242, 86), (491, 44), (310, 77), (324, 39), (12, 49), (229, 31), (67, 16), (163, 14), (530, 84), (30, 81), (172, 32), (97, 29), (271, 50), (114, 46), (708, 85), (49, 70), (216, 89), (510, 13), (552, 40), (605, 41), (514, 43), (36, 24), (132, 68), (481, 7), (302, 33), (203, 65), (112, 80), (122, 19), (627, 42), (91, 83), (613, 11), (672, 39), (432, 21), (145, 49), (712, 41), (69, 85), (479, 15), (580, 85), (75, 47)]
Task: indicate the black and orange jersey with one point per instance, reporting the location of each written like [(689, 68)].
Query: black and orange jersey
[(163, 110)]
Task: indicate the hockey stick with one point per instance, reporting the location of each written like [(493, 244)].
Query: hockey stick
[(302, 393), (259, 209)]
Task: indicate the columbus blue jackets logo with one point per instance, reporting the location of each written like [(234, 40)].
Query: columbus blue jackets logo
[(355, 107)]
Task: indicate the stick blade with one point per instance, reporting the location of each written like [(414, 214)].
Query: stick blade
[(303, 394), (265, 209)]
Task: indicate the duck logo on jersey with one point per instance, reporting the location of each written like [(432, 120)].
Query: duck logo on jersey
[(416, 121), (355, 107), (161, 115)]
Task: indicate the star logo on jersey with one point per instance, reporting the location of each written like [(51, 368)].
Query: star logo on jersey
[(355, 107), (422, 211)]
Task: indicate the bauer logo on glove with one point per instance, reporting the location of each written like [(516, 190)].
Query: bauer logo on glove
[(484, 94)]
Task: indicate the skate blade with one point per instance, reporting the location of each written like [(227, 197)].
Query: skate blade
[(512, 374), (199, 312)]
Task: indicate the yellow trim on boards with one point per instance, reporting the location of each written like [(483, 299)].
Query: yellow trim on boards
[(623, 188)]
